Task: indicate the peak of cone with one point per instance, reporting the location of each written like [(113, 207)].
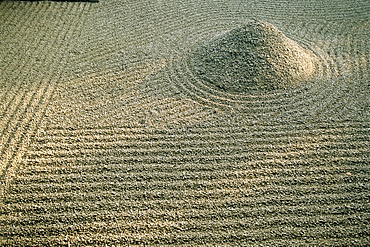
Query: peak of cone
[(251, 57)]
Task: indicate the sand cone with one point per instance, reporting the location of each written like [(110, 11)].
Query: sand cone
[(254, 55)]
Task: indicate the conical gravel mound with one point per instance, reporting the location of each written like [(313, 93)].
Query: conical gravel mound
[(254, 56)]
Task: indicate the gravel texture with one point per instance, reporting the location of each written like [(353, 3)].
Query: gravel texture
[(126, 123)]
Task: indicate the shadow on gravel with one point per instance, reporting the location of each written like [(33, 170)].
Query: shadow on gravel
[(91, 1)]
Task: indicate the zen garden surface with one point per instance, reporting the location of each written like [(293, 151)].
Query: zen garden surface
[(185, 123)]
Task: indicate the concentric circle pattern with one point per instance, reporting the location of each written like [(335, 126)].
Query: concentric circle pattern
[(333, 75), (110, 137)]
